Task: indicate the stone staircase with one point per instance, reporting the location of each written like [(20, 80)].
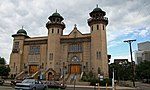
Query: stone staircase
[(76, 79)]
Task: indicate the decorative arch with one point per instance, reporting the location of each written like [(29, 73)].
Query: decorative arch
[(75, 66), (75, 59), (50, 73), (51, 70)]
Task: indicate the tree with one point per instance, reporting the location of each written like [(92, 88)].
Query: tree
[(122, 71), (4, 69), (2, 61), (143, 70)]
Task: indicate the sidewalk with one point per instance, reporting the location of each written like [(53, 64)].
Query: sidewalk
[(118, 87)]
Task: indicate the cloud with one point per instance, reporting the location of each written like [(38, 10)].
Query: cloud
[(144, 32)]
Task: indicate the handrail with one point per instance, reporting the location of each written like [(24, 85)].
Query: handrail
[(81, 75), (35, 73), (19, 74)]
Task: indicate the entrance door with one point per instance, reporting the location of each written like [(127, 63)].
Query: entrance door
[(33, 69), (50, 76), (75, 68)]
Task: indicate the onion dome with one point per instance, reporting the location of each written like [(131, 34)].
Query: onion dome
[(97, 10), (55, 21), (55, 15), (97, 16), (21, 32)]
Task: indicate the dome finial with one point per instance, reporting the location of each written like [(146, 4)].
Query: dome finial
[(75, 26), (22, 26), (56, 10), (96, 5)]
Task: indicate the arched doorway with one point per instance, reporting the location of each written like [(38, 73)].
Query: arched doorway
[(75, 66), (50, 76)]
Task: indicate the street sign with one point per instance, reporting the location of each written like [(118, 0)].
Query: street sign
[(101, 78), (41, 76), (74, 77)]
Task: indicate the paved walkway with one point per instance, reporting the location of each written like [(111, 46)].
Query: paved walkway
[(118, 87)]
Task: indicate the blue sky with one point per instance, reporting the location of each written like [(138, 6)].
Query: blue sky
[(128, 19)]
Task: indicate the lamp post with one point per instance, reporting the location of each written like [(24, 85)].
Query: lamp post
[(133, 75)]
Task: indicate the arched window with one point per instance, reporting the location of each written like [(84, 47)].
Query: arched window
[(97, 27), (99, 70), (52, 30), (75, 59), (92, 28), (103, 27), (57, 30)]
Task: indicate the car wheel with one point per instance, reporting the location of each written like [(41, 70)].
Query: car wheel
[(44, 88), (34, 89)]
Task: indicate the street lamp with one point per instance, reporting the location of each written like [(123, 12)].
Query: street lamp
[(133, 75)]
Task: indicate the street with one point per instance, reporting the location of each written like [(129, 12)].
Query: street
[(76, 88), (69, 88), (143, 86)]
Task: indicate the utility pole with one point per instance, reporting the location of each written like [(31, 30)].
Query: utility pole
[(132, 66)]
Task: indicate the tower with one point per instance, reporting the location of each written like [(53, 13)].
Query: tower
[(16, 57), (55, 30), (98, 24)]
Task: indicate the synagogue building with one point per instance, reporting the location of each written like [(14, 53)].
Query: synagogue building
[(57, 55)]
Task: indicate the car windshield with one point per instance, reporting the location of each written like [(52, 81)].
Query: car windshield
[(28, 81)]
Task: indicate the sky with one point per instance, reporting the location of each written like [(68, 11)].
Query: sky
[(128, 19)]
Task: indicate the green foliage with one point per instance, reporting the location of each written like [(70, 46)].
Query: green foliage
[(122, 71), (102, 83), (4, 70), (143, 70), (90, 77), (2, 61)]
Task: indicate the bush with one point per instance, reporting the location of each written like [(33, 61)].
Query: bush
[(91, 78), (102, 83)]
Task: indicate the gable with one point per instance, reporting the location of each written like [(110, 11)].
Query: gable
[(75, 33)]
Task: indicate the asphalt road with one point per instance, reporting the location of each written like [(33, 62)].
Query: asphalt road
[(68, 88), (86, 89), (6, 88), (143, 86)]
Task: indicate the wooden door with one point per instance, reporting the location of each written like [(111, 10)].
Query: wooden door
[(32, 69), (75, 68), (50, 76)]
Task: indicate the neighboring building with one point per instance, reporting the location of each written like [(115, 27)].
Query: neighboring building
[(143, 52), (144, 46), (56, 53), (146, 55), (138, 56)]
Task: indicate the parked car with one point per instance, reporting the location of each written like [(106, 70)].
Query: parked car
[(13, 82), (31, 84), (54, 84), (1, 82)]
